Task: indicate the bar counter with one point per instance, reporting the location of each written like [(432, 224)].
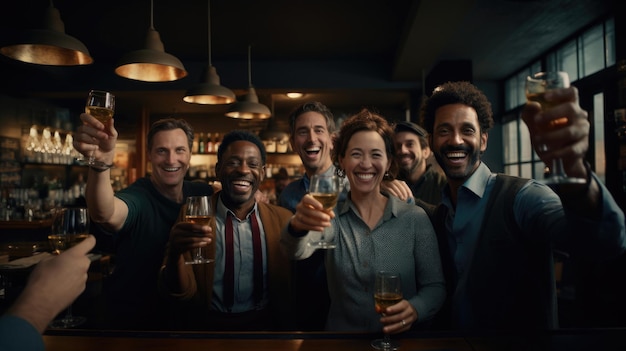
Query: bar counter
[(562, 340)]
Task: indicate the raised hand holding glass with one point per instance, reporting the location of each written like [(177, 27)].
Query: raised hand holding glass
[(536, 87), (101, 105), (325, 189)]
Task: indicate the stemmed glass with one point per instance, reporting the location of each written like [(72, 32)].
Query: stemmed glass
[(536, 86), (69, 227), (325, 189), (387, 292), (101, 105), (198, 210)]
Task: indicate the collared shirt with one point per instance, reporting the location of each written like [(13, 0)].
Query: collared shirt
[(294, 191), (538, 212), (244, 262), (403, 241)]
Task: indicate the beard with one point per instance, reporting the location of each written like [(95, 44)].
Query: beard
[(460, 172), (408, 169)]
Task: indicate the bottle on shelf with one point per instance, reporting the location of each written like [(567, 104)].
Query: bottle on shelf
[(194, 147), (201, 145), (209, 143), (216, 143)]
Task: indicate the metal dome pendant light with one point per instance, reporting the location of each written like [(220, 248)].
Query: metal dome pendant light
[(249, 107), (151, 64), (49, 46), (209, 92)]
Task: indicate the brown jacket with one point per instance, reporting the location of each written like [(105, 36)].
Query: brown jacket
[(198, 297)]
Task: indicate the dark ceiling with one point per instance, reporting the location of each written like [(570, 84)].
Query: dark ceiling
[(346, 53)]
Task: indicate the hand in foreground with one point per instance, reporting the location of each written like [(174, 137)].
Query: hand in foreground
[(310, 215), (398, 318), (53, 285), (562, 131), (186, 236), (93, 138), (397, 188)]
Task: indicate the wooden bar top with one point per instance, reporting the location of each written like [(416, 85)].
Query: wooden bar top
[(243, 342), (560, 340)]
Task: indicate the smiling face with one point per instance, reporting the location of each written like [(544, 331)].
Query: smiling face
[(241, 171), (170, 156), (312, 141), (410, 155), (457, 141), (365, 162)]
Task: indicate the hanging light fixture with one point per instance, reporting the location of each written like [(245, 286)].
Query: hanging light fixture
[(249, 107), (151, 64), (209, 92), (49, 46)]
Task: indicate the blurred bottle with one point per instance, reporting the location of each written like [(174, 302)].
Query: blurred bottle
[(217, 142), (209, 144), (194, 148), (201, 145)]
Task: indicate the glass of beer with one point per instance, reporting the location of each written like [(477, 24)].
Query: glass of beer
[(325, 189), (387, 292), (536, 87), (198, 210), (101, 105), (69, 227)]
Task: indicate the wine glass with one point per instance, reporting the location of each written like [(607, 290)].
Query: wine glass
[(387, 292), (325, 189), (69, 227), (198, 210), (536, 86), (101, 105)]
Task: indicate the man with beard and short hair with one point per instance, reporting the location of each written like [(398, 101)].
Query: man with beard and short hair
[(412, 153), (496, 232), (248, 285)]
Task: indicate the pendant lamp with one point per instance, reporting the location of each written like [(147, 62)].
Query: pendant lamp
[(151, 64), (209, 92), (249, 107), (48, 46)]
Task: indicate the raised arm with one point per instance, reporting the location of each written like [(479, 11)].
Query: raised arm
[(98, 140), (569, 140)]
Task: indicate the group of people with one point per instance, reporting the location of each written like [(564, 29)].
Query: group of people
[(474, 247)]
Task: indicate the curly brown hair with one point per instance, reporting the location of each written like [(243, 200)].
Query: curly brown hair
[(366, 120), (457, 93)]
